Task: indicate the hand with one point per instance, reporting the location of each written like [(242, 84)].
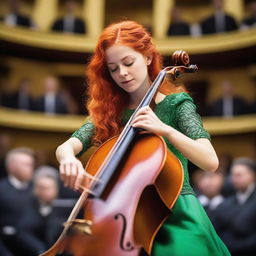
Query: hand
[(145, 118), (72, 172)]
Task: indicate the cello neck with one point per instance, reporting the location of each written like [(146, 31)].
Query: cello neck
[(124, 141)]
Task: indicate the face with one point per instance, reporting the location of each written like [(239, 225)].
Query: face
[(218, 4), (45, 189), (242, 177), (50, 84), (211, 184), (128, 68), (21, 166)]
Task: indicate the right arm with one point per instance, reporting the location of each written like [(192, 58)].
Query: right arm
[(71, 169)]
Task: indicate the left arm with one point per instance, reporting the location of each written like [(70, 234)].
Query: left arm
[(200, 151)]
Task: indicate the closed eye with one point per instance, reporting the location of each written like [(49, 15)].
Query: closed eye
[(129, 64)]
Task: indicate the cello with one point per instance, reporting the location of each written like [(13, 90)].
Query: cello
[(135, 183)]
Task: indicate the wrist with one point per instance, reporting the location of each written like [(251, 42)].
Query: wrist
[(168, 132)]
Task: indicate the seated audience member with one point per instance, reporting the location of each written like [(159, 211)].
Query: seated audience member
[(177, 26), (218, 22), (52, 102), (21, 99), (15, 195), (70, 23), (39, 225), (15, 18), (210, 188), (251, 20), (235, 217), (228, 105)]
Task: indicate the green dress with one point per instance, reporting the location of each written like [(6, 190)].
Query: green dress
[(188, 231)]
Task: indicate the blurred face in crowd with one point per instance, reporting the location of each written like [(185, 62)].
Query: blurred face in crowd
[(50, 85), (227, 88), (25, 85), (45, 189), (21, 166), (70, 7), (176, 15), (211, 184), (15, 6), (242, 177), (217, 4), (253, 8)]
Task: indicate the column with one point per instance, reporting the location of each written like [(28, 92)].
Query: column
[(235, 8), (93, 11), (45, 12), (161, 17)]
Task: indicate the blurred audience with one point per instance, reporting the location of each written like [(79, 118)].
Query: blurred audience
[(15, 195), (251, 20), (228, 105), (52, 102), (235, 218), (15, 18), (177, 25), (210, 186), (40, 225), (219, 22), (70, 23), (21, 99)]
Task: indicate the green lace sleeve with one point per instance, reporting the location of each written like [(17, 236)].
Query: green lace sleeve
[(85, 134), (189, 121)]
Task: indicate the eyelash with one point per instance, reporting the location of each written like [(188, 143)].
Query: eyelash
[(127, 65)]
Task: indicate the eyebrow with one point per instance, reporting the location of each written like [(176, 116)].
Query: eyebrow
[(121, 59)]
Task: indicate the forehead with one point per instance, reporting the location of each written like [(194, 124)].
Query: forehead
[(44, 181), (116, 53), (241, 169)]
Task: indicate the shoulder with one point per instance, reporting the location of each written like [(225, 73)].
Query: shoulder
[(4, 183), (176, 99)]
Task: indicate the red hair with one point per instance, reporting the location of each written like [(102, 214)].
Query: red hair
[(107, 100)]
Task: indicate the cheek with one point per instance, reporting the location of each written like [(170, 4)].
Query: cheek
[(114, 76)]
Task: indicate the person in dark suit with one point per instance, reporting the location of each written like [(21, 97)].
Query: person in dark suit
[(69, 23), (251, 20), (219, 22), (235, 219), (15, 195), (178, 26), (210, 187), (21, 99), (52, 102), (228, 105), (40, 225), (14, 18)]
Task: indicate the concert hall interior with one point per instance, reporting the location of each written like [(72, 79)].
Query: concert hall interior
[(42, 53)]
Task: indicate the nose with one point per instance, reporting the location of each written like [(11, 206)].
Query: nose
[(123, 71)]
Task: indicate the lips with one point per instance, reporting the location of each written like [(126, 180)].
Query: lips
[(126, 82)]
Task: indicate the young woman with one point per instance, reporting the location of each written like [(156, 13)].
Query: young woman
[(120, 72)]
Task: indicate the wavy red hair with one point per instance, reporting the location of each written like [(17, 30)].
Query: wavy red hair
[(107, 100)]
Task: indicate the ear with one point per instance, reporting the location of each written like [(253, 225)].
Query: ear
[(148, 60)]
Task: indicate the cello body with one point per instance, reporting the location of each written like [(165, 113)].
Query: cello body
[(134, 205)]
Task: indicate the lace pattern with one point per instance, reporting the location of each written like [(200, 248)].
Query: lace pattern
[(85, 134)]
